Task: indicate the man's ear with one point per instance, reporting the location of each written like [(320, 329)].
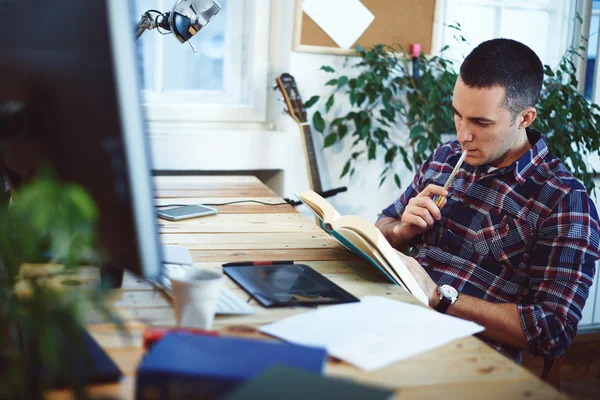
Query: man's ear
[(526, 117)]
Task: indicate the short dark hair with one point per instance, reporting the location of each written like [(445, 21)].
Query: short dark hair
[(509, 64)]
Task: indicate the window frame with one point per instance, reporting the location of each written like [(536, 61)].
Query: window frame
[(232, 105)]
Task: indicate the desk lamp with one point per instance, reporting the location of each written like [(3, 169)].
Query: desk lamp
[(185, 19)]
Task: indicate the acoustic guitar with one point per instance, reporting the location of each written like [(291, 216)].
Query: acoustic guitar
[(295, 108)]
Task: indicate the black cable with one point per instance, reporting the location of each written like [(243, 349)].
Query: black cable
[(224, 204)]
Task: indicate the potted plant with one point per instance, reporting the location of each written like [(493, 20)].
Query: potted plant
[(46, 231), (383, 97)]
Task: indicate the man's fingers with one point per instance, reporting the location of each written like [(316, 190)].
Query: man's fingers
[(411, 219), (425, 214), (443, 202), (433, 190), (428, 204)]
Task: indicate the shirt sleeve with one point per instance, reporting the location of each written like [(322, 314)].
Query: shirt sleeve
[(561, 273), (396, 209)]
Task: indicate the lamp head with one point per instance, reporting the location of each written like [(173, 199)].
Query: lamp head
[(189, 16)]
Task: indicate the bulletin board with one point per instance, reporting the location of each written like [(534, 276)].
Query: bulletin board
[(396, 21)]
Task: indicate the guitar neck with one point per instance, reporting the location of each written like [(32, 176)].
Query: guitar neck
[(311, 159)]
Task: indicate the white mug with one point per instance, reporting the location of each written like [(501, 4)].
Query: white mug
[(195, 293)]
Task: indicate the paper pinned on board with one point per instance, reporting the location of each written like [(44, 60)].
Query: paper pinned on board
[(343, 20), (373, 333)]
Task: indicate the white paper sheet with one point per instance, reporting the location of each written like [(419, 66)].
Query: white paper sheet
[(343, 20), (373, 333)]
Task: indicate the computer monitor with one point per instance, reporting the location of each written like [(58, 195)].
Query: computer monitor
[(72, 64)]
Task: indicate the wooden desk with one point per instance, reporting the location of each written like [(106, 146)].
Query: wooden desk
[(463, 369)]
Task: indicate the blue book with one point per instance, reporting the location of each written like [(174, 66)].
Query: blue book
[(186, 366)]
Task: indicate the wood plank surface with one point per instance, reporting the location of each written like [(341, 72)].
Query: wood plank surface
[(463, 369)]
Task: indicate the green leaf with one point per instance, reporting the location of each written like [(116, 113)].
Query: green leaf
[(330, 102), (390, 155), (422, 146), (330, 140), (318, 122), (381, 181), (332, 82), (397, 180), (342, 81), (360, 98), (372, 151), (327, 68), (365, 131), (405, 158), (346, 169), (342, 130), (416, 131), (311, 102)]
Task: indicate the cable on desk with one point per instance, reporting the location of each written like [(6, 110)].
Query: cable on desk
[(225, 204)]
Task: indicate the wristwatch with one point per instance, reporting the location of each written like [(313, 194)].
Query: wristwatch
[(448, 296)]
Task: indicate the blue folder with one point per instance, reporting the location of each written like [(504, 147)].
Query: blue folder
[(189, 366)]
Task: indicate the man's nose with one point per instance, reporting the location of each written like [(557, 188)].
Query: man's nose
[(463, 133)]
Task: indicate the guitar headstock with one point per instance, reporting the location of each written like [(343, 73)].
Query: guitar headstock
[(295, 107)]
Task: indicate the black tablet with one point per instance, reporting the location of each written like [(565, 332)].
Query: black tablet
[(288, 285)]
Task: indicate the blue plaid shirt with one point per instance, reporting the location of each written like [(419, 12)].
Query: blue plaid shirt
[(524, 234)]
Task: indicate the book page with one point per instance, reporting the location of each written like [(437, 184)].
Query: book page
[(321, 207), (369, 250), (377, 240)]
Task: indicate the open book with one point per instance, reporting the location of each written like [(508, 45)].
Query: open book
[(365, 240)]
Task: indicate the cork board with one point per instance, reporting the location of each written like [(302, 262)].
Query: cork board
[(396, 21)]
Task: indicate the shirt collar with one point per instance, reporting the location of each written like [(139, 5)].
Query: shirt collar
[(527, 163)]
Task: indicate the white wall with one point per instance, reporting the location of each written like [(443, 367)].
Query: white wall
[(277, 144)]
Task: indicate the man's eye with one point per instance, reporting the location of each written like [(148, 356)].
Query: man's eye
[(484, 124)]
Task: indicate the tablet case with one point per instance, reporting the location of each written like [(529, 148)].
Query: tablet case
[(283, 382), (288, 285)]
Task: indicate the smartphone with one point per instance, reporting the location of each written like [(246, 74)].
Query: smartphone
[(191, 211)]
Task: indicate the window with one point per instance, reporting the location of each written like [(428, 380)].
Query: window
[(226, 80), (592, 51), (544, 25)]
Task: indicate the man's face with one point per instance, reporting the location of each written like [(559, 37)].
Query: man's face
[(483, 126)]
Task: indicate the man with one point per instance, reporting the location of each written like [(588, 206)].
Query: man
[(513, 243)]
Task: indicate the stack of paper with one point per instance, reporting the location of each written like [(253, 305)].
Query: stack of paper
[(373, 333)]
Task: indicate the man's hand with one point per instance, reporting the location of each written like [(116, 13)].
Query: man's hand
[(421, 212), (423, 279)]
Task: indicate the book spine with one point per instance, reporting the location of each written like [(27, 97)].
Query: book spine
[(161, 385)]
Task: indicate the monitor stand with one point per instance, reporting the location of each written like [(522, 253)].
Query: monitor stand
[(111, 276)]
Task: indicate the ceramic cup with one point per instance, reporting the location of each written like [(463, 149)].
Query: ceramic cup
[(195, 294)]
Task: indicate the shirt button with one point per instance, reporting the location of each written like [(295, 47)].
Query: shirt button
[(446, 248)]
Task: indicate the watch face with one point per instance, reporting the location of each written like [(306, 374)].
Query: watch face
[(448, 292)]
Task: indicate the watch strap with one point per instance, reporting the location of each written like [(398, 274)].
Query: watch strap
[(443, 305)]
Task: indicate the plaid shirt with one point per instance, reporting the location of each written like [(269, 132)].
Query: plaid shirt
[(524, 234)]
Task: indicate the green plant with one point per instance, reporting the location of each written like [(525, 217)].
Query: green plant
[(46, 217), (383, 97), (570, 122)]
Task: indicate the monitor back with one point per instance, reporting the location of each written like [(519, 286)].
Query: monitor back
[(72, 64)]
